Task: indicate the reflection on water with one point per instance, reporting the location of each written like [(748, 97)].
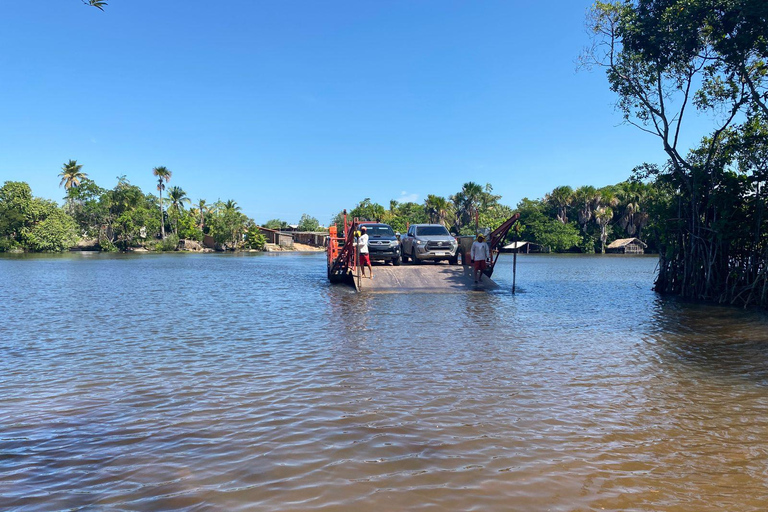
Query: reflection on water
[(246, 382)]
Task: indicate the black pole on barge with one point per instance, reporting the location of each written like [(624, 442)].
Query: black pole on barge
[(514, 258)]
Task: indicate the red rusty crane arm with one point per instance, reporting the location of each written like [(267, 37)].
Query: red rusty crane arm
[(495, 238), (348, 252), (342, 261)]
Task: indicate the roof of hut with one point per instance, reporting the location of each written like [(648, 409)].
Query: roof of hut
[(622, 242), (516, 245)]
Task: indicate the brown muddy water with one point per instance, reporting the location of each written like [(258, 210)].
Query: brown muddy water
[(246, 382)]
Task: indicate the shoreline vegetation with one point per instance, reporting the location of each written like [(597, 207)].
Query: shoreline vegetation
[(671, 62), (585, 219), (126, 219)]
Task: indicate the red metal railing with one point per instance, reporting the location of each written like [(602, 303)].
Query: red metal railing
[(343, 257)]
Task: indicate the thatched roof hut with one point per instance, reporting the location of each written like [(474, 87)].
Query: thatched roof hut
[(627, 246)]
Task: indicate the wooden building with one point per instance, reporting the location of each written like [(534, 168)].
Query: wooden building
[(315, 238), (277, 237), (626, 246)]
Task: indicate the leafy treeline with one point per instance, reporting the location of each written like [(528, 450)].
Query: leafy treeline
[(589, 218), (118, 218), (584, 219), (671, 60), (31, 222), (307, 223), (459, 212)]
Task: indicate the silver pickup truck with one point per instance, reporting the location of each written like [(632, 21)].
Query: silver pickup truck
[(429, 242)]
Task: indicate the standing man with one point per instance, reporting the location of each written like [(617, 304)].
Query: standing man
[(481, 256), (365, 257)]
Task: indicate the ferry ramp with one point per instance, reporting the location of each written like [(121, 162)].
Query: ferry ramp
[(424, 278)]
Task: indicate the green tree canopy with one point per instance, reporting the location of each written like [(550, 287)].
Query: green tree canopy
[(668, 60), (308, 223), (56, 231), (33, 223), (276, 224), (367, 210)]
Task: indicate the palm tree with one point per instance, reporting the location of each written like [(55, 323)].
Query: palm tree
[(163, 175), (99, 4), (473, 194), (231, 205), (176, 200), (561, 198), (71, 175), (603, 215), (586, 199), (234, 220), (437, 208), (633, 196), (203, 208), (466, 203)]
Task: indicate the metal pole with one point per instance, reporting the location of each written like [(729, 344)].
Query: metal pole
[(514, 263)]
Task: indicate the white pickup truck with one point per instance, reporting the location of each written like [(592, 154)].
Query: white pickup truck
[(429, 242)]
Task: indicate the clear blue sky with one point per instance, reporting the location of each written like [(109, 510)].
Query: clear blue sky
[(292, 107)]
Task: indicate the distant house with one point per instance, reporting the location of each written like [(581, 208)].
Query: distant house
[(316, 238), (626, 246), (277, 237)]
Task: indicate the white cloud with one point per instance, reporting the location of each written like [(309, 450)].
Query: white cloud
[(405, 197)]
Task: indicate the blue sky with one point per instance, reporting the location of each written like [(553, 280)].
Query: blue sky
[(292, 107)]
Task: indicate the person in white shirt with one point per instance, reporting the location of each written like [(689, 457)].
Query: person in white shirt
[(480, 256), (365, 257)]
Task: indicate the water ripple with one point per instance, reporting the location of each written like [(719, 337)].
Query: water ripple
[(246, 382)]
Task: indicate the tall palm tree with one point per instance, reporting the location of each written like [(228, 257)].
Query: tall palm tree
[(473, 194), (561, 198), (203, 208), (71, 175), (177, 198), (437, 208), (235, 221), (603, 216), (585, 199), (466, 203), (232, 205), (633, 196), (163, 175)]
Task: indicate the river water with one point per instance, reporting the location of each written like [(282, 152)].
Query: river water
[(247, 382)]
